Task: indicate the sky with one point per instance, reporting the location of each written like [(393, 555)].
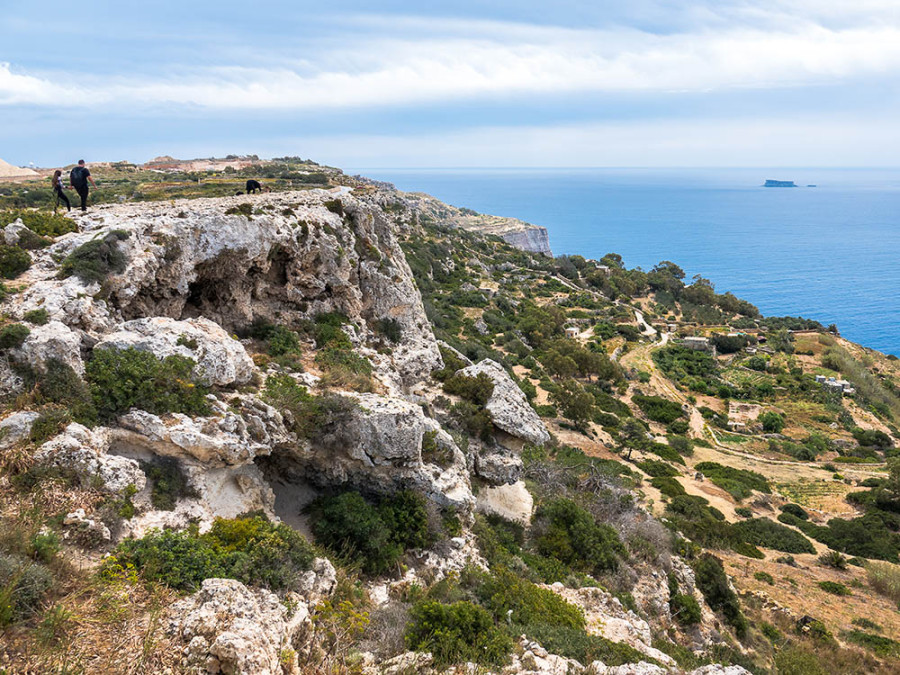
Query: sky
[(644, 83)]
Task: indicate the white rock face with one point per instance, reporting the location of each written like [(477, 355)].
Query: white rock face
[(231, 629), (379, 445), (508, 407), (607, 617), (83, 452), (53, 340), (16, 427), (718, 669), (221, 360), (512, 502)]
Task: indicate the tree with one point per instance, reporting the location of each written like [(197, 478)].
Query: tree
[(782, 341), (574, 402), (772, 422), (633, 436)]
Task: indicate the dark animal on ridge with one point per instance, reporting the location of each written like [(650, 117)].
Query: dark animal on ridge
[(254, 186)]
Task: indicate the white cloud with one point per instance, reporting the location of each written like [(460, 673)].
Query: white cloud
[(514, 60), (770, 142)]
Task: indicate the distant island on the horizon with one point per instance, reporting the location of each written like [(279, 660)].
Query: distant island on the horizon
[(780, 183)]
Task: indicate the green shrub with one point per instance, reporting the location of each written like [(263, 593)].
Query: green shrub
[(309, 415), (281, 340), (23, 586), (879, 645), (654, 468), (713, 583), (772, 422), (243, 209), (38, 317), (375, 537), (476, 389), (765, 577), (685, 609), (249, 549), (457, 633), (668, 486), (737, 482), (744, 512), (769, 534), (327, 330), (795, 510), (121, 379), (473, 419), (169, 483), (679, 427), (512, 598), (391, 329), (97, 259), (833, 559), (868, 624), (570, 534), (771, 632), (40, 222), (60, 384), (13, 261), (659, 409), (834, 588), (13, 335), (50, 423), (798, 660)]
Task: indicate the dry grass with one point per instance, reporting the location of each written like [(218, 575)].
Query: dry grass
[(884, 577)]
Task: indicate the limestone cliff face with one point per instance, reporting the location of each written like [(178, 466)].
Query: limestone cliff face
[(195, 273)]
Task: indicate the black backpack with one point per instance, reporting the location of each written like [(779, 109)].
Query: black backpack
[(76, 177)]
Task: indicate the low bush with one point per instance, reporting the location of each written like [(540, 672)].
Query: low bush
[(833, 559), (834, 588), (795, 510), (390, 329), (569, 533), (373, 536), (249, 549), (574, 643), (685, 609), (13, 261), (659, 409), (60, 384), (23, 586), (308, 415), (38, 317), (13, 335), (121, 379), (737, 482), (457, 633), (765, 577), (769, 534), (97, 259), (867, 624), (668, 486), (655, 469), (472, 419), (714, 586), (772, 422), (40, 222), (744, 512), (476, 389), (281, 340), (877, 644)]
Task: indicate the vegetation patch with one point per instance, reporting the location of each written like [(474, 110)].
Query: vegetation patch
[(570, 534), (13, 335), (121, 379), (713, 583), (457, 633), (739, 483), (97, 259), (249, 548), (834, 587), (169, 483), (13, 261), (769, 534)]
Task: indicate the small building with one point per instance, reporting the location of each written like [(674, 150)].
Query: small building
[(572, 332), (700, 344), (820, 379), (750, 350)]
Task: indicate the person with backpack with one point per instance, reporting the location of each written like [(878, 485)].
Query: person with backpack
[(58, 188), (79, 178)]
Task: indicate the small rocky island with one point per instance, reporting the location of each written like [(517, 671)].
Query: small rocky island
[(780, 183)]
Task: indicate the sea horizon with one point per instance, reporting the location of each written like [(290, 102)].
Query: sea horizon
[(826, 253)]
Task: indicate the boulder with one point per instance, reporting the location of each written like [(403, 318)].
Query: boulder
[(512, 502), (221, 360), (53, 340), (508, 406), (17, 427), (83, 452), (498, 466), (228, 628)]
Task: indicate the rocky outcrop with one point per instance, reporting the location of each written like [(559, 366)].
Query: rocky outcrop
[(54, 340), (17, 427), (512, 502), (220, 359), (82, 452), (231, 629), (507, 406), (378, 444)]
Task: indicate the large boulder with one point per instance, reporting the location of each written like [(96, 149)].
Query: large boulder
[(388, 444), (54, 340), (17, 427), (231, 629), (82, 452), (512, 502), (508, 406), (221, 360)]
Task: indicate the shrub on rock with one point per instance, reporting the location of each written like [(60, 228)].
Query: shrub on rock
[(96, 259), (13, 261)]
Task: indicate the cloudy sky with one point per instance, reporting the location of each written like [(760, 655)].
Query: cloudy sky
[(462, 83)]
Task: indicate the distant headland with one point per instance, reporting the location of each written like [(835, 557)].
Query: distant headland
[(780, 183)]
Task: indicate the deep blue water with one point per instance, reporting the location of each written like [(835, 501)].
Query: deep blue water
[(829, 253)]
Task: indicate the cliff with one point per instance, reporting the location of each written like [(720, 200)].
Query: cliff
[(195, 390)]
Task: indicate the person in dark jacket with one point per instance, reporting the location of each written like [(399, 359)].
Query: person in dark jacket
[(79, 178), (58, 188)]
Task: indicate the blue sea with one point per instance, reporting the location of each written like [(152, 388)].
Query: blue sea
[(828, 253)]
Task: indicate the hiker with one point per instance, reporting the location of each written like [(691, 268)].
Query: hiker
[(79, 177), (254, 186), (58, 188)]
